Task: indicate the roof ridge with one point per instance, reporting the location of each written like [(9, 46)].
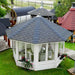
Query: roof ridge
[(36, 32), (26, 24), (54, 30)]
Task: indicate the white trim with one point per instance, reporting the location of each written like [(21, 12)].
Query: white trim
[(25, 50), (56, 50), (36, 53), (63, 47), (17, 51), (46, 59)]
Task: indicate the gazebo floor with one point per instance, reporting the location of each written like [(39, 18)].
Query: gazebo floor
[(71, 71)]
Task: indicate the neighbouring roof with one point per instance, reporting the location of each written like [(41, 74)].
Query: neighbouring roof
[(2, 29), (53, 17), (38, 30), (23, 10), (53, 11), (41, 11), (68, 20), (5, 22)]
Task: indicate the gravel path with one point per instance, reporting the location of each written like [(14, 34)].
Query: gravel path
[(3, 45), (69, 52)]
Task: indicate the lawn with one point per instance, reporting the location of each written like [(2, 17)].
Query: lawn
[(8, 66), (70, 45)]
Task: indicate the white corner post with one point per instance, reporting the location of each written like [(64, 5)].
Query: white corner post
[(17, 51), (25, 50), (36, 55), (56, 50), (63, 47), (46, 52), (11, 43)]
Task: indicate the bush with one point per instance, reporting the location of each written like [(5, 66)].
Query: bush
[(2, 12)]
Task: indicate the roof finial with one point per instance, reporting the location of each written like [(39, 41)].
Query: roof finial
[(41, 4)]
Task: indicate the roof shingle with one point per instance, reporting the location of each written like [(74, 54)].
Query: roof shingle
[(2, 29), (68, 20), (41, 11), (38, 30), (23, 10), (5, 21)]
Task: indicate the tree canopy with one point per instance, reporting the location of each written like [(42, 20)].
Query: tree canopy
[(62, 7), (3, 7)]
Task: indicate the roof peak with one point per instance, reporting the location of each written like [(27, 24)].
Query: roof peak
[(38, 30)]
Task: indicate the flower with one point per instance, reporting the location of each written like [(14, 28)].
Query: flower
[(23, 57)]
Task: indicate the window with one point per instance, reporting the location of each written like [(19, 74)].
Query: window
[(21, 49), (21, 46), (60, 48), (42, 53), (51, 48), (30, 55)]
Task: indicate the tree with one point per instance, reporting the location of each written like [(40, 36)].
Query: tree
[(12, 1), (3, 7), (63, 7)]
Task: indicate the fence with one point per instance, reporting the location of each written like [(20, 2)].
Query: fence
[(22, 3)]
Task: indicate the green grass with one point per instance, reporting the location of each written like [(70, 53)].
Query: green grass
[(8, 66), (70, 45)]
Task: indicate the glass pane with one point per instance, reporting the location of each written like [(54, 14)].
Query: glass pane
[(60, 48), (51, 51), (21, 48), (30, 55), (42, 53)]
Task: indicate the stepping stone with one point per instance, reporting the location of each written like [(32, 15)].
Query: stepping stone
[(71, 71)]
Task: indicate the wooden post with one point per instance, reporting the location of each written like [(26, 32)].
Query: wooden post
[(5, 38), (17, 52), (25, 50), (56, 50), (63, 47), (74, 36), (70, 38), (46, 52), (36, 53), (8, 42)]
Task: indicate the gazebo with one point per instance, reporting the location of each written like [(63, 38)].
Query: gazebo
[(18, 15), (42, 12), (38, 43), (68, 21)]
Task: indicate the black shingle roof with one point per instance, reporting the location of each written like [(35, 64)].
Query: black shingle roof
[(53, 11), (53, 17), (23, 10), (5, 22), (38, 30), (41, 11), (2, 29)]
